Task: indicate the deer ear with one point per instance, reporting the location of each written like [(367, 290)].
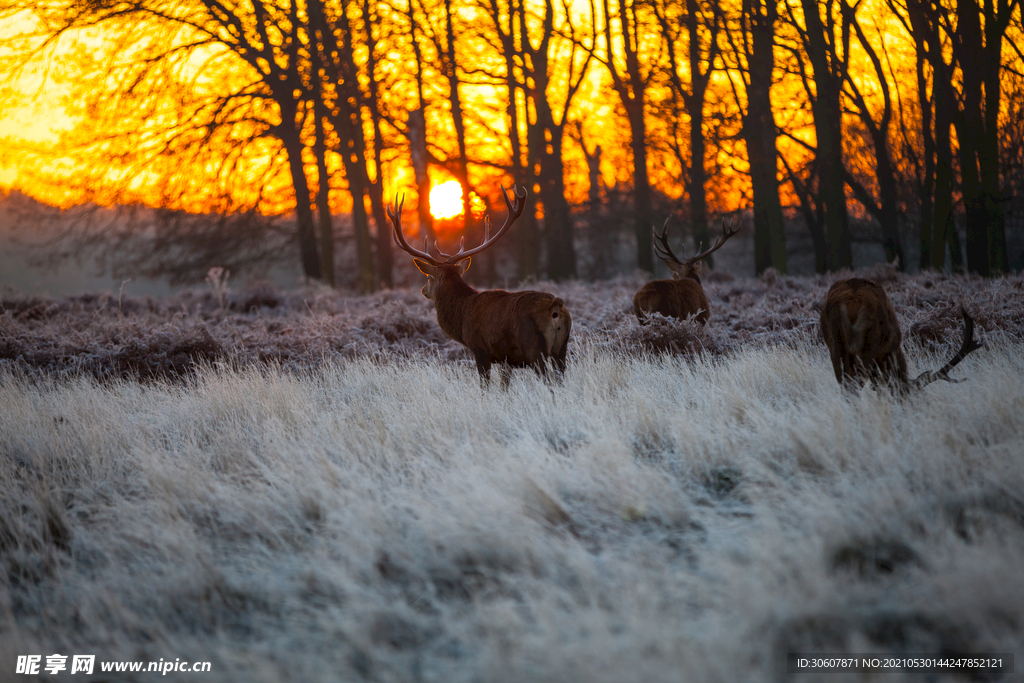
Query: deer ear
[(696, 267), (425, 267), (676, 268), (464, 265)]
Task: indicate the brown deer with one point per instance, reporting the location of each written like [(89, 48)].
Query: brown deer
[(864, 340), (683, 295), (515, 329)]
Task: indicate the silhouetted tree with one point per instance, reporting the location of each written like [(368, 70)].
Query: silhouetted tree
[(753, 49), (630, 84)]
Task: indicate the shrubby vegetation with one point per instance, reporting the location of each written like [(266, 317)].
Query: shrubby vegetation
[(107, 336)]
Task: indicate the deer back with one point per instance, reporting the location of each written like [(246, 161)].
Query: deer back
[(862, 333), (521, 328), (673, 299)]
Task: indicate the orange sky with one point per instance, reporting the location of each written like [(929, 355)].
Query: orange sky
[(38, 120)]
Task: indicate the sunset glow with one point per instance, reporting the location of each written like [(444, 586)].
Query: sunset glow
[(160, 105), (446, 200)]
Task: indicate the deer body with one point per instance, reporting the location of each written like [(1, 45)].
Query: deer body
[(516, 329), (683, 295), (672, 299), (862, 333), (520, 329)]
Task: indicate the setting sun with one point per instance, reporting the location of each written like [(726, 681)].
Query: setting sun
[(446, 200)]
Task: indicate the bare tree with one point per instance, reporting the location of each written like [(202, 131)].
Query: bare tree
[(752, 44), (624, 62), (977, 35), (701, 23), (508, 23), (145, 79), (885, 210), (826, 48)]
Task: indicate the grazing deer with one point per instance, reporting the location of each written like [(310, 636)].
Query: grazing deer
[(683, 295), (863, 337), (516, 329)]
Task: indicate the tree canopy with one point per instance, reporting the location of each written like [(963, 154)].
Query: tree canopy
[(257, 120)]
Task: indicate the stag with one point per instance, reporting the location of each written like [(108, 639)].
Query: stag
[(683, 295), (514, 329), (864, 340)]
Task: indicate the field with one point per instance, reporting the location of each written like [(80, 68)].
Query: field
[(309, 487)]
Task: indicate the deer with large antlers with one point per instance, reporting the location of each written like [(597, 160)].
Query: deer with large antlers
[(683, 295), (514, 329), (864, 340)]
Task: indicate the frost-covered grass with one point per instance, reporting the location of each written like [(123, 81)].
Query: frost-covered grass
[(685, 517)]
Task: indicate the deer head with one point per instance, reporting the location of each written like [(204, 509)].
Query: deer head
[(687, 267), (446, 267)]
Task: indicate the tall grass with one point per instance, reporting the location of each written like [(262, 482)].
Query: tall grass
[(651, 518)]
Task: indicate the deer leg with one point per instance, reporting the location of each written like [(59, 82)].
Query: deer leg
[(483, 366), (506, 375), (854, 372), (559, 359), (558, 376), (837, 365)]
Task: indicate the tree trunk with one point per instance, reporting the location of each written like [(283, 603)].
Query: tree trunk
[(969, 126), (355, 170), (956, 251), (345, 123), (338, 61), (418, 142), (303, 212), (598, 235), (323, 203), (827, 111), (943, 227), (385, 259), (887, 212), (641, 189), (988, 150), (558, 228), (927, 187), (323, 198), (694, 101), (631, 90), (759, 134), (462, 173)]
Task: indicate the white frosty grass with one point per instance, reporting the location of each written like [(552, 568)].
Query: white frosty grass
[(650, 519)]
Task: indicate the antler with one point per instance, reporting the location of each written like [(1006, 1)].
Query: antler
[(661, 247), (969, 344), (396, 222), (727, 231), (514, 211), (665, 253)]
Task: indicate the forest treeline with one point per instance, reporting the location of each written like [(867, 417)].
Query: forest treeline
[(214, 119)]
